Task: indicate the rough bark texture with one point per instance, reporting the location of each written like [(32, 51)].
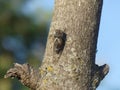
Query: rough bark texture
[(69, 61)]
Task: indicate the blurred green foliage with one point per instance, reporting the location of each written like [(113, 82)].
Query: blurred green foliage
[(21, 39)]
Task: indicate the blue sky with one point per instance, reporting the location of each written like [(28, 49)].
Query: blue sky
[(108, 41)]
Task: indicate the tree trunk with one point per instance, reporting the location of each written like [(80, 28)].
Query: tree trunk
[(69, 61)]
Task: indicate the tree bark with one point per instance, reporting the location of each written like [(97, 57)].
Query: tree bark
[(69, 61)]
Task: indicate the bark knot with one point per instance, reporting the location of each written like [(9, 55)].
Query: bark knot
[(59, 41)]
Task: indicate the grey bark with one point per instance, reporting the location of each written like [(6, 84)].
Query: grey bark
[(69, 61)]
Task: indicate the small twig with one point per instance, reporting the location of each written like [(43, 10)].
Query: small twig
[(25, 74), (99, 73)]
